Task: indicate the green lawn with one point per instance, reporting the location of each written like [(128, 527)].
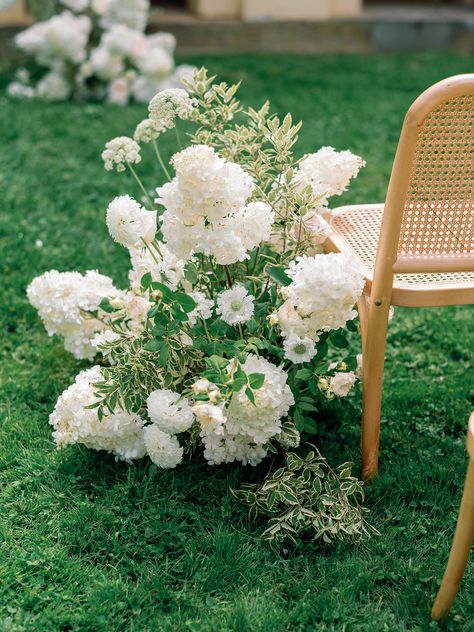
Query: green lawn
[(93, 545)]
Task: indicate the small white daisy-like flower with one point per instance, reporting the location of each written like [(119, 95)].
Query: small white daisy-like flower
[(169, 411), (163, 449), (203, 307), (119, 151), (169, 104), (128, 222), (298, 349), (341, 383), (235, 305), (147, 130)]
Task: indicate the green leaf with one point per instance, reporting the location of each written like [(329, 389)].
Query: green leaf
[(238, 384), (352, 325), (153, 345), (146, 280), (187, 302), (310, 426), (256, 380), (164, 353), (278, 274), (105, 306), (308, 407), (250, 395), (339, 340), (322, 350), (304, 374), (190, 273)]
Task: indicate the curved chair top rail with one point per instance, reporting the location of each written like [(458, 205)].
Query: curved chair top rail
[(428, 223)]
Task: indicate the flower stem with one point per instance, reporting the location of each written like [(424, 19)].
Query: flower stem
[(160, 159), (147, 246), (227, 276), (178, 137), (140, 184)]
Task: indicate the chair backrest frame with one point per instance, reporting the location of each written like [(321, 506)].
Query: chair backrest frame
[(389, 260)]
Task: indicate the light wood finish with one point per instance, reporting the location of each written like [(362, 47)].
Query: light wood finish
[(417, 249), (462, 541)]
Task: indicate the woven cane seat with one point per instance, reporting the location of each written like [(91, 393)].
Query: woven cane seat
[(356, 230)]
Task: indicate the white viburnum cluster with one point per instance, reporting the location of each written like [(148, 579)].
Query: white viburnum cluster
[(98, 49), (129, 223), (240, 431), (63, 300), (161, 263), (321, 295), (328, 172), (119, 433), (206, 210)]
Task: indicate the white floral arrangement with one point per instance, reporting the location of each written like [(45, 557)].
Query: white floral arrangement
[(98, 49), (235, 328)]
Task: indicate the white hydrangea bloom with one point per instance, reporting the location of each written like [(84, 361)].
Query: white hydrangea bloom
[(164, 267), (328, 172), (157, 64), (341, 383), (119, 433), (129, 223), (243, 429), (19, 90), (63, 37), (163, 449), (203, 307), (119, 151), (105, 64), (299, 350), (118, 91), (169, 411), (131, 13), (53, 87), (146, 131), (205, 208), (169, 104), (122, 40), (166, 41), (322, 294), (235, 305), (61, 299)]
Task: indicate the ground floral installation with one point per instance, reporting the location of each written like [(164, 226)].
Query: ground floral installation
[(234, 327), (97, 49)]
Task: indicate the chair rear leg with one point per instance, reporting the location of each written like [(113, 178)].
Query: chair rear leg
[(373, 364), (460, 549)]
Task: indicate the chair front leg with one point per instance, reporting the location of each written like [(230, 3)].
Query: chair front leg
[(373, 365), (462, 543)]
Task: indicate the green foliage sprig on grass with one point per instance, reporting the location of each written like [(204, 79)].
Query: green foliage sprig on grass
[(89, 544)]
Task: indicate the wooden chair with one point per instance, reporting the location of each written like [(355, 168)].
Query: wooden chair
[(462, 542), (417, 249)]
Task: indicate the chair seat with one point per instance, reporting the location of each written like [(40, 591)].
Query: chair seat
[(356, 229)]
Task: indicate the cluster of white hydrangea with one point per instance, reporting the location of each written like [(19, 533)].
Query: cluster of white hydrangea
[(119, 433), (119, 151), (328, 172), (98, 48), (163, 449), (129, 223), (169, 411), (63, 300), (321, 295), (235, 305), (240, 431), (206, 211), (163, 265)]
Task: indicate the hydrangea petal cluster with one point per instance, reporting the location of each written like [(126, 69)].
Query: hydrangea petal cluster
[(119, 433), (235, 305), (322, 294), (169, 411), (246, 427), (206, 209), (62, 37), (129, 223), (61, 299), (131, 13), (163, 449), (328, 172), (119, 151), (163, 266)]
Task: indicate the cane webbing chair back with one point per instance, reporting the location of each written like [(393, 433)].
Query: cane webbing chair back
[(428, 223)]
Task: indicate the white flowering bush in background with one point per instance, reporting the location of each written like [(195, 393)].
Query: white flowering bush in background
[(235, 326), (97, 49)]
